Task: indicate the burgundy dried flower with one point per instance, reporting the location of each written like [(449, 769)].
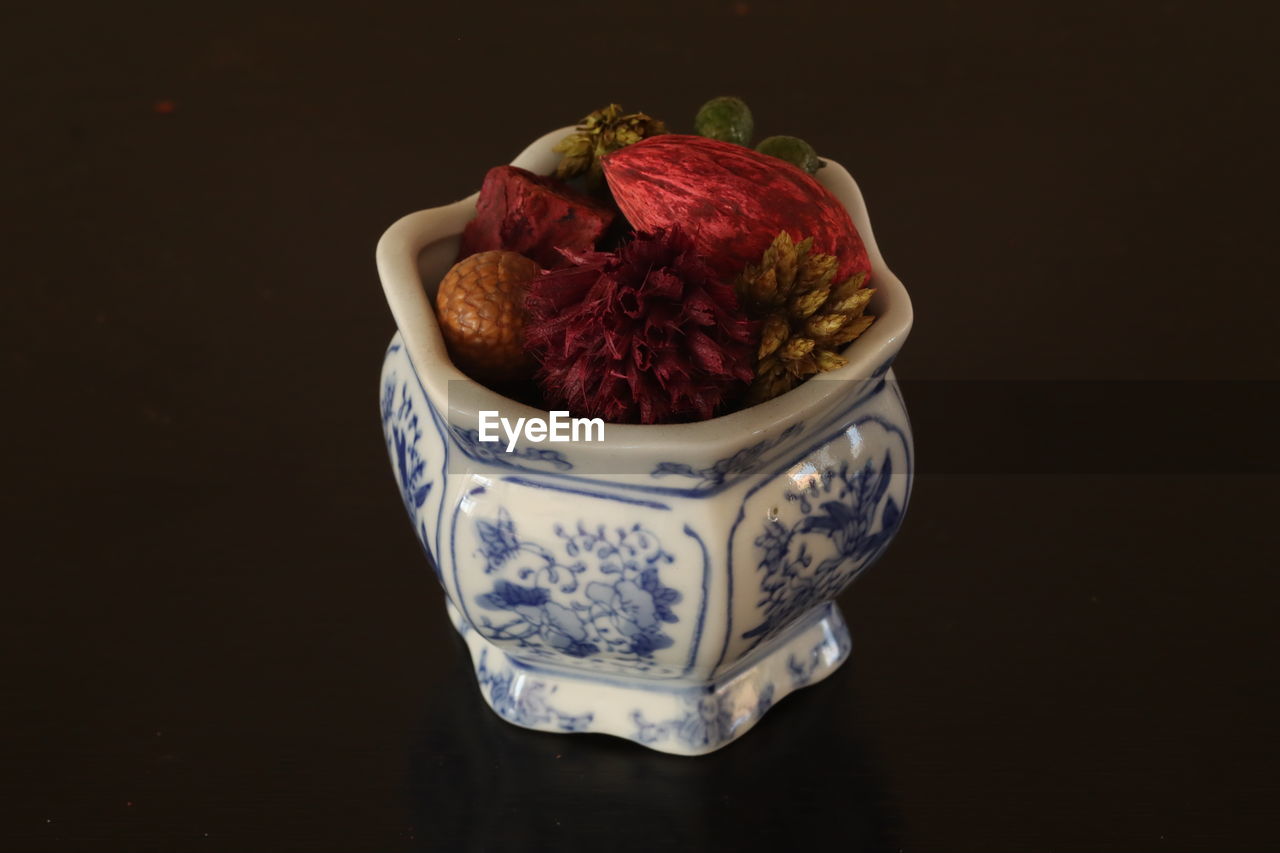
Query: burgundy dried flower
[(646, 334)]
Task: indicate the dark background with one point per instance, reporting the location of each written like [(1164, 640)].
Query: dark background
[(219, 630)]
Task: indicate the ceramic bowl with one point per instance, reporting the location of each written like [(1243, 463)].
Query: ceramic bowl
[(669, 583)]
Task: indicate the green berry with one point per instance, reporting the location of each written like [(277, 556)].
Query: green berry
[(725, 118), (794, 150)]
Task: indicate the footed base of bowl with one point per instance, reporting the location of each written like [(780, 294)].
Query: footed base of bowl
[(679, 717)]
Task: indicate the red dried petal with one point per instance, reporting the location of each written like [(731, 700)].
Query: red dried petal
[(653, 338)]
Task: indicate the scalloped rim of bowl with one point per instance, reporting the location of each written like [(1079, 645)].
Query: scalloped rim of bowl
[(402, 244)]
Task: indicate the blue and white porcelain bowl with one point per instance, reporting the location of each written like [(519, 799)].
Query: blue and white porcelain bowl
[(668, 584)]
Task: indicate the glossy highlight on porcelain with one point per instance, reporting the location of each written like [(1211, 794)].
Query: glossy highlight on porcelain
[(670, 600)]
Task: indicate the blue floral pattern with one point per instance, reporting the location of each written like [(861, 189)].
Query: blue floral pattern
[(495, 452), (403, 433), (597, 593), (827, 650), (711, 720), (841, 506), (746, 461), (525, 704)]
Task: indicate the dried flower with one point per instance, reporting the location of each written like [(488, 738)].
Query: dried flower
[(806, 319), (600, 133), (646, 334)]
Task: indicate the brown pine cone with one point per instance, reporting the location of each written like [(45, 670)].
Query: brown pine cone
[(480, 307)]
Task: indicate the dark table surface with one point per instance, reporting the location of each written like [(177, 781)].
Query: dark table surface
[(220, 632)]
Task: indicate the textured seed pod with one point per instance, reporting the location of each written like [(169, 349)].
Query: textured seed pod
[(725, 118), (806, 317), (732, 200), (480, 308), (794, 150), (607, 129)]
